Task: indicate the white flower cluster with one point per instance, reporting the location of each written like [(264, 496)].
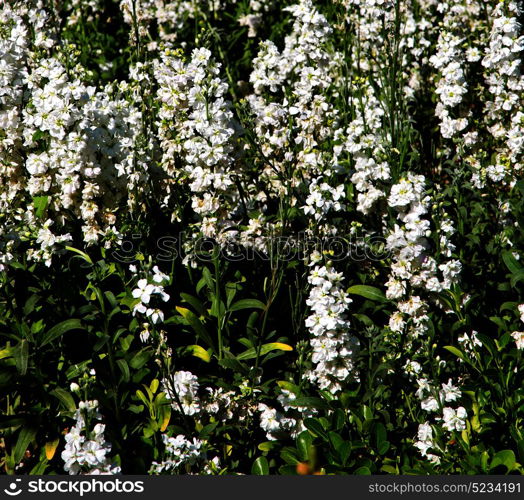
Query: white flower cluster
[(274, 422), (287, 422), (470, 342), (409, 241), (451, 419), (518, 336), (303, 71), (62, 142), (365, 147), (412, 266), (452, 86), (333, 346), (366, 138), (365, 141), (519, 339), (179, 451), (146, 288), (505, 84), (167, 16), (14, 41), (196, 123), (90, 157), (254, 18), (370, 18), (86, 451), (182, 389), (322, 199), (13, 73), (447, 229)]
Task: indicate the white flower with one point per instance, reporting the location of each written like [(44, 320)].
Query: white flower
[(521, 311), (402, 194), (159, 276), (269, 418), (423, 388), (449, 392), (519, 339), (179, 451), (429, 404), (144, 291), (333, 347), (454, 419), (87, 456), (470, 341), (434, 459), (412, 367), (425, 432), (183, 388)]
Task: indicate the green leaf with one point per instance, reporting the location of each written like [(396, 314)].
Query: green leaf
[(231, 290), (247, 304), (456, 352), (384, 447), (504, 457), (338, 419), (304, 443), (250, 326), (126, 342), (288, 386), (7, 352), (380, 434), (140, 359), (29, 306), (367, 413), (218, 308), (26, 435), (83, 255), (519, 276), (369, 292), (520, 186), (389, 469), (199, 352), (363, 471), (511, 262), (40, 204), (289, 455), (65, 398), (142, 397), (196, 324), (267, 445), (365, 319), (310, 402), (344, 450), (21, 355), (313, 425), (59, 329), (273, 346), (124, 368), (197, 305), (520, 448), (260, 467), (509, 306), (7, 421), (335, 439), (233, 364), (208, 279)]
